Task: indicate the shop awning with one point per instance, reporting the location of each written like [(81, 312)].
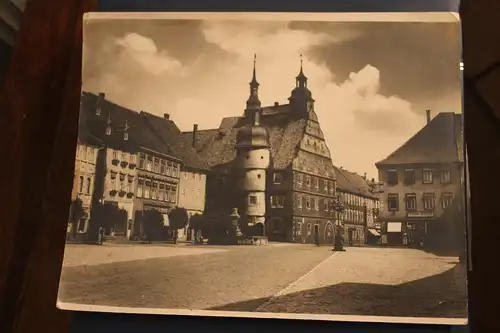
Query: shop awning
[(374, 232), (166, 222)]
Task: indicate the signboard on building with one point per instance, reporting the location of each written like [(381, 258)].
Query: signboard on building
[(420, 214), (394, 226)]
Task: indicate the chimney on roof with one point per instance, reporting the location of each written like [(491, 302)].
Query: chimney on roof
[(276, 104), (195, 133), (166, 116), (364, 176), (100, 99), (428, 115)]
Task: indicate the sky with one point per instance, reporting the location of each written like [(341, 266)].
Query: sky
[(372, 81)]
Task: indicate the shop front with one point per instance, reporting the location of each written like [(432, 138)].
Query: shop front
[(417, 226)]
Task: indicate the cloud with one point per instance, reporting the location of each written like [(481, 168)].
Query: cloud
[(361, 125), (144, 53)]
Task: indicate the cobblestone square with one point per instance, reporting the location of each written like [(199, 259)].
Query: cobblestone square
[(275, 278)]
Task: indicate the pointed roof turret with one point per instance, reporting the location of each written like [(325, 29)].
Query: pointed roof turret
[(253, 101), (301, 79)]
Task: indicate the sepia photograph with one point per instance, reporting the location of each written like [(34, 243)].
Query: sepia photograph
[(306, 166)]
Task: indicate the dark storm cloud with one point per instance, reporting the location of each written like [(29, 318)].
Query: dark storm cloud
[(417, 61)]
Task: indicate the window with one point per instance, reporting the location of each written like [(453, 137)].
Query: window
[(252, 200), (277, 178), (299, 179), (149, 164), (169, 168), (168, 192), (90, 154), (156, 165), (154, 190), (316, 204), (147, 189), (299, 202), (115, 155), (124, 157), (112, 181), (316, 183), (277, 201), (332, 187), (309, 228), (429, 201), (132, 159), (325, 184), (446, 200), (163, 167), (88, 185), (411, 201), (308, 181), (175, 170), (313, 203), (173, 195), (308, 203), (140, 187), (326, 205), (393, 202), (81, 184), (409, 177), (83, 152), (299, 228), (392, 177), (445, 177), (142, 161), (427, 176)]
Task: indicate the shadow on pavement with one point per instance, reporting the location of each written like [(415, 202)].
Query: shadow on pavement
[(439, 296)]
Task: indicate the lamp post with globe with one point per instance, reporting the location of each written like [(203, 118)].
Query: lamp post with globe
[(339, 207)]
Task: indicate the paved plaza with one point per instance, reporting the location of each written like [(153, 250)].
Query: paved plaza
[(290, 278)]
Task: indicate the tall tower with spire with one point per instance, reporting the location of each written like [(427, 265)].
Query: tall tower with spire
[(252, 162), (301, 99)]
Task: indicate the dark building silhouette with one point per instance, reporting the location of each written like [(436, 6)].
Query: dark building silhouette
[(276, 154)]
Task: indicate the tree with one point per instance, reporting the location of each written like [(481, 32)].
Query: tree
[(178, 218), (153, 224), (197, 222)]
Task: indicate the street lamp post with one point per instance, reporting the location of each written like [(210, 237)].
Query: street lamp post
[(338, 206)]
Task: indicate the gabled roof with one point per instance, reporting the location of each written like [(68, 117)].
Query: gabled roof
[(139, 131), (217, 146), (172, 136), (438, 142), (352, 182)]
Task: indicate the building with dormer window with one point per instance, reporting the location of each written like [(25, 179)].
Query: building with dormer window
[(273, 164), (423, 186)]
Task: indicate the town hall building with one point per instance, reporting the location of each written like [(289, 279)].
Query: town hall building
[(273, 164)]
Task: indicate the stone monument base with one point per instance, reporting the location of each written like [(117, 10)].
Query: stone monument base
[(252, 240)]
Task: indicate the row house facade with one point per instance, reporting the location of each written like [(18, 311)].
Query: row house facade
[(361, 207), (273, 164), (423, 186), (83, 186), (157, 185), (138, 169)]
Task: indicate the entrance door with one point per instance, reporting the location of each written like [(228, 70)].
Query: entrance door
[(350, 236), (121, 223)]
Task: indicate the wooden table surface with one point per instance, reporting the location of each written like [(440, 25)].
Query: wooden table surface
[(39, 109)]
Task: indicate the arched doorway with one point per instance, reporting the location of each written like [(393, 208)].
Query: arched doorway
[(329, 234), (259, 229)]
